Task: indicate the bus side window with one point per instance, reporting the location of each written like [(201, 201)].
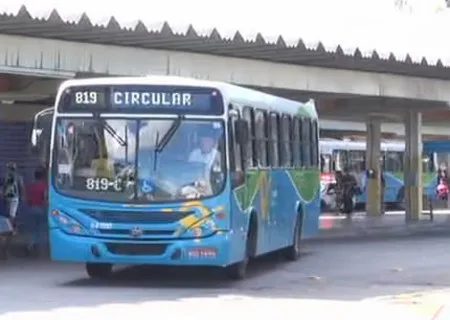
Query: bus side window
[(306, 141), (290, 141), (274, 138), (261, 137), (251, 150), (285, 142), (393, 161), (296, 143), (314, 144)]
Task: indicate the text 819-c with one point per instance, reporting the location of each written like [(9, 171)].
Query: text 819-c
[(103, 184)]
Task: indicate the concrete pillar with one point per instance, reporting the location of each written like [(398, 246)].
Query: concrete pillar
[(413, 166), (373, 185)]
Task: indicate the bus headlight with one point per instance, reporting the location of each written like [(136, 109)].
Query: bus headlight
[(66, 223)]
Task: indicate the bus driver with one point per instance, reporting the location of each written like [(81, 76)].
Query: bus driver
[(207, 153)]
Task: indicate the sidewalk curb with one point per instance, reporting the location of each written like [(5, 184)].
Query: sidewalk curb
[(381, 233)]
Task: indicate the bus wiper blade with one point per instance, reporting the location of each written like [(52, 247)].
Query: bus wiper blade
[(113, 133), (169, 134), (155, 153)]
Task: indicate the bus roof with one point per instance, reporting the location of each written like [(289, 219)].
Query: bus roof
[(232, 93), (327, 147), (439, 146)]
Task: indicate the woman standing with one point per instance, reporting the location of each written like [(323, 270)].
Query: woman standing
[(37, 196)]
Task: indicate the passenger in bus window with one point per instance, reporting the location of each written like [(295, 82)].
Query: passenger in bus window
[(442, 188), (442, 172)]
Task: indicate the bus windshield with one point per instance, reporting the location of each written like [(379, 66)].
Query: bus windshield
[(139, 160)]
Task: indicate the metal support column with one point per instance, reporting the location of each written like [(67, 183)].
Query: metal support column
[(413, 166), (373, 184)]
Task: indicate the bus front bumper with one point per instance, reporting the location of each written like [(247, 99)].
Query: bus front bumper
[(209, 251)]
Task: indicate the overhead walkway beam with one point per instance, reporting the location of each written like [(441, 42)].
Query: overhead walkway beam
[(373, 204), (20, 54)]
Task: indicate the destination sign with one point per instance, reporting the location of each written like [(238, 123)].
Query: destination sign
[(142, 99), (154, 99)]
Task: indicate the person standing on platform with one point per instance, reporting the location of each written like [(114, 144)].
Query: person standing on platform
[(349, 185), (37, 196), (13, 192)]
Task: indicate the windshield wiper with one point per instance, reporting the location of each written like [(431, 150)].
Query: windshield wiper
[(113, 133), (155, 153), (161, 144)]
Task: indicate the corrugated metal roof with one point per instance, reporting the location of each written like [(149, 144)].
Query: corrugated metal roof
[(53, 26)]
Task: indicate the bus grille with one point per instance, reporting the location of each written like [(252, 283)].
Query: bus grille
[(136, 249), (137, 217)]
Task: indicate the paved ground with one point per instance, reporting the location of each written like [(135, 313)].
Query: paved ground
[(353, 280)]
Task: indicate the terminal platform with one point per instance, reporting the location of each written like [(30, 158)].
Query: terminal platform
[(391, 224)]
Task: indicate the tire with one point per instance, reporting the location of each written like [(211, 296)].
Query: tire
[(401, 205), (238, 271), (98, 270), (292, 253)]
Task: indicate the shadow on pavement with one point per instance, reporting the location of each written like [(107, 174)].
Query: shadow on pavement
[(335, 272), (183, 277)]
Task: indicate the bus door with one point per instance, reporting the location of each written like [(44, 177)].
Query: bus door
[(356, 162), (430, 167), (237, 145), (393, 175), (281, 155), (264, 174)]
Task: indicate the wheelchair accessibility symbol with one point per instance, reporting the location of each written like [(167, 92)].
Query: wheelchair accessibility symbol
[(147, 186)]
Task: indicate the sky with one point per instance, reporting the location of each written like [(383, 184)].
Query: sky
[(367, 24)]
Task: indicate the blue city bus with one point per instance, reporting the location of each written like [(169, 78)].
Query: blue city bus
[(336, 154), (177, 171)]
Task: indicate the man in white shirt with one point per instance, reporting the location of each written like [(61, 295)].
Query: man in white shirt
[(207, 153)]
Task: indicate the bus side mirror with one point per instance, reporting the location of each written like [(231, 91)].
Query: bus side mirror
[(36, 139), (241, 131)]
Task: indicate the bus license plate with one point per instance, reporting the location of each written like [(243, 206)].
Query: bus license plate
[(199, 253)]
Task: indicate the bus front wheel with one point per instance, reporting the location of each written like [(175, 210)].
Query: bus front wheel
[(98, 270), (238, 271)]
